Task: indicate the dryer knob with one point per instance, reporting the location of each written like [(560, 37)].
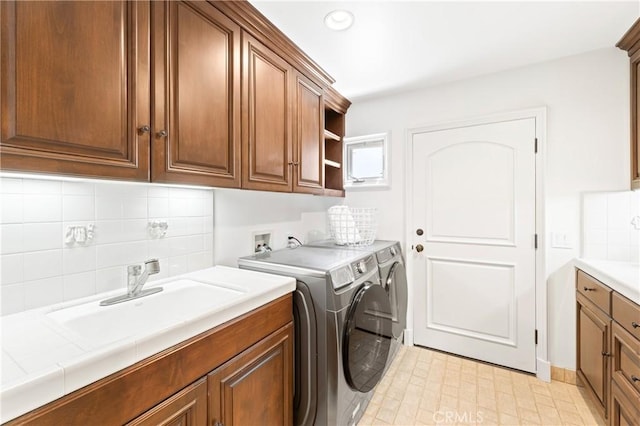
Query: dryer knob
[(393, 251), (361, 267)]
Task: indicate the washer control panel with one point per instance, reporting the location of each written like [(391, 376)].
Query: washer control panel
[(352, 272), (363, 266)]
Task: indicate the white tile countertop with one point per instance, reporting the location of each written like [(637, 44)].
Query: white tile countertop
[(623, 277), (42, 360)]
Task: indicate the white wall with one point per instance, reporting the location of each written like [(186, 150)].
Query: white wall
[(587, 149), (38, 268), (240, 214)]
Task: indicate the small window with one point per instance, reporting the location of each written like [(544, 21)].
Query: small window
[(366, 161)]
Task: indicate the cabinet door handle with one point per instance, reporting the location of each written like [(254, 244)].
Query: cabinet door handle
[(144, 129), (634, 379), (606, 354), (635, 324), (588, 288), (162, 133)]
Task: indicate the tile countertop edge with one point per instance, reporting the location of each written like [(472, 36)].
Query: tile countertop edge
[(50, 383), (622, 277)]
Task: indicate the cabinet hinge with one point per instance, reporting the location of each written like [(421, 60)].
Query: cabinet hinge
[(535, 241), (536, 337), (535, 146)]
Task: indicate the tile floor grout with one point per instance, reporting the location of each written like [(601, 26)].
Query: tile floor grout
[(425, 387)]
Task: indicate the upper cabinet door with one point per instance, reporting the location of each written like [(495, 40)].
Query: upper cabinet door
[(630, 42), (308, 155), (267, 118), (196, 132), (75, 88)]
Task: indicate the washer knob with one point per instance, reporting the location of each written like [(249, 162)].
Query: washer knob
[(393, 251), (361, 267)]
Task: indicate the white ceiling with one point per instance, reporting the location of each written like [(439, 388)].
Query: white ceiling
[(398, 45)]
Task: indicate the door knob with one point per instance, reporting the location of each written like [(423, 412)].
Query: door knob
[(419, 248), (162, 133), (144, 129)]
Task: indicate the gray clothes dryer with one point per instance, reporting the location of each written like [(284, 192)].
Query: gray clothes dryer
[(393, 278), (343, 330)]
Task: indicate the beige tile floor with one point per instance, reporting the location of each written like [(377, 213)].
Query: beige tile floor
[(425, 387)]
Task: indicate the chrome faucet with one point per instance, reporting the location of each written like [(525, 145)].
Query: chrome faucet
[(136, 279)]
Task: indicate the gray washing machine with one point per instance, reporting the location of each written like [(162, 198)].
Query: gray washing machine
[(343, 330), (393, 277)]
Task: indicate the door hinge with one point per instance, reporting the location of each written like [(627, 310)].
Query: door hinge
[(535, 241), (536, 337), (535, 146)]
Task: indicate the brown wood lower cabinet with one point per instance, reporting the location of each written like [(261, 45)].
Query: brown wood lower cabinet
[(608, 350), (186, 408), (248, 360), (625, 408), (593, 331), (252, 388)]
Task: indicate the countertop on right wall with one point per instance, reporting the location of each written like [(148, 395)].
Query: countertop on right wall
[(623, 277), (611, 240)]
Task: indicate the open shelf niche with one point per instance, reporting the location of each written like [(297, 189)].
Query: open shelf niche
[(335, 108)]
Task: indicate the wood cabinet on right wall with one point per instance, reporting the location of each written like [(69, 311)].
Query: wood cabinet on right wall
[(631, 43)]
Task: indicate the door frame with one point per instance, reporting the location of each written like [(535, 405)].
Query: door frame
[(543, 366)]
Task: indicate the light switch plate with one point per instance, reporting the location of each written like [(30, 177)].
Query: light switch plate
[(561, 240)]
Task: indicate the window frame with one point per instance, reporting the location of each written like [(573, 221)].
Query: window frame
[(372, 182)]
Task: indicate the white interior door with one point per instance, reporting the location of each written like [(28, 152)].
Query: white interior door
[(474, 280)]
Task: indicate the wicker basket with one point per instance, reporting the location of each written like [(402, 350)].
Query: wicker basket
[(352, 226)]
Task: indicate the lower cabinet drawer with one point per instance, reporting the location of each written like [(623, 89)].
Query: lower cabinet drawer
[(627, 314), (626, 358), (625, 409), (596, 292)]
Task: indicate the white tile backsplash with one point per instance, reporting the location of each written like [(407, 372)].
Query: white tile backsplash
[(42, 208), (12, 268), (78, 207), (38, 268), (11, 208), (11, 238), (43, 292), (79, 285), (42, 236), (607, 230), (42, 264)]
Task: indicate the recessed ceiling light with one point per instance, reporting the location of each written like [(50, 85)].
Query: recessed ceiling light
[(339, 20)]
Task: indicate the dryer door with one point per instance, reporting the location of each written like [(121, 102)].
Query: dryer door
[(396, 284), (367, 337)]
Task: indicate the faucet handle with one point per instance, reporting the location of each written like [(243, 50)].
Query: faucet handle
[(134, 269)]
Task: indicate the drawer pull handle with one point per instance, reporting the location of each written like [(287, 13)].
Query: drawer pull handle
[(588, 288), (606, 354), (634, 379), (635, 324)]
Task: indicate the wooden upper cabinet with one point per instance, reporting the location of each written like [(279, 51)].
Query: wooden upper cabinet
[(267, 90), (75, 88), (631, 43), (196, 83), (308, 165)]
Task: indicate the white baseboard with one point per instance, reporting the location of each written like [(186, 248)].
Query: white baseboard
[(543, 370), (408, 337)]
